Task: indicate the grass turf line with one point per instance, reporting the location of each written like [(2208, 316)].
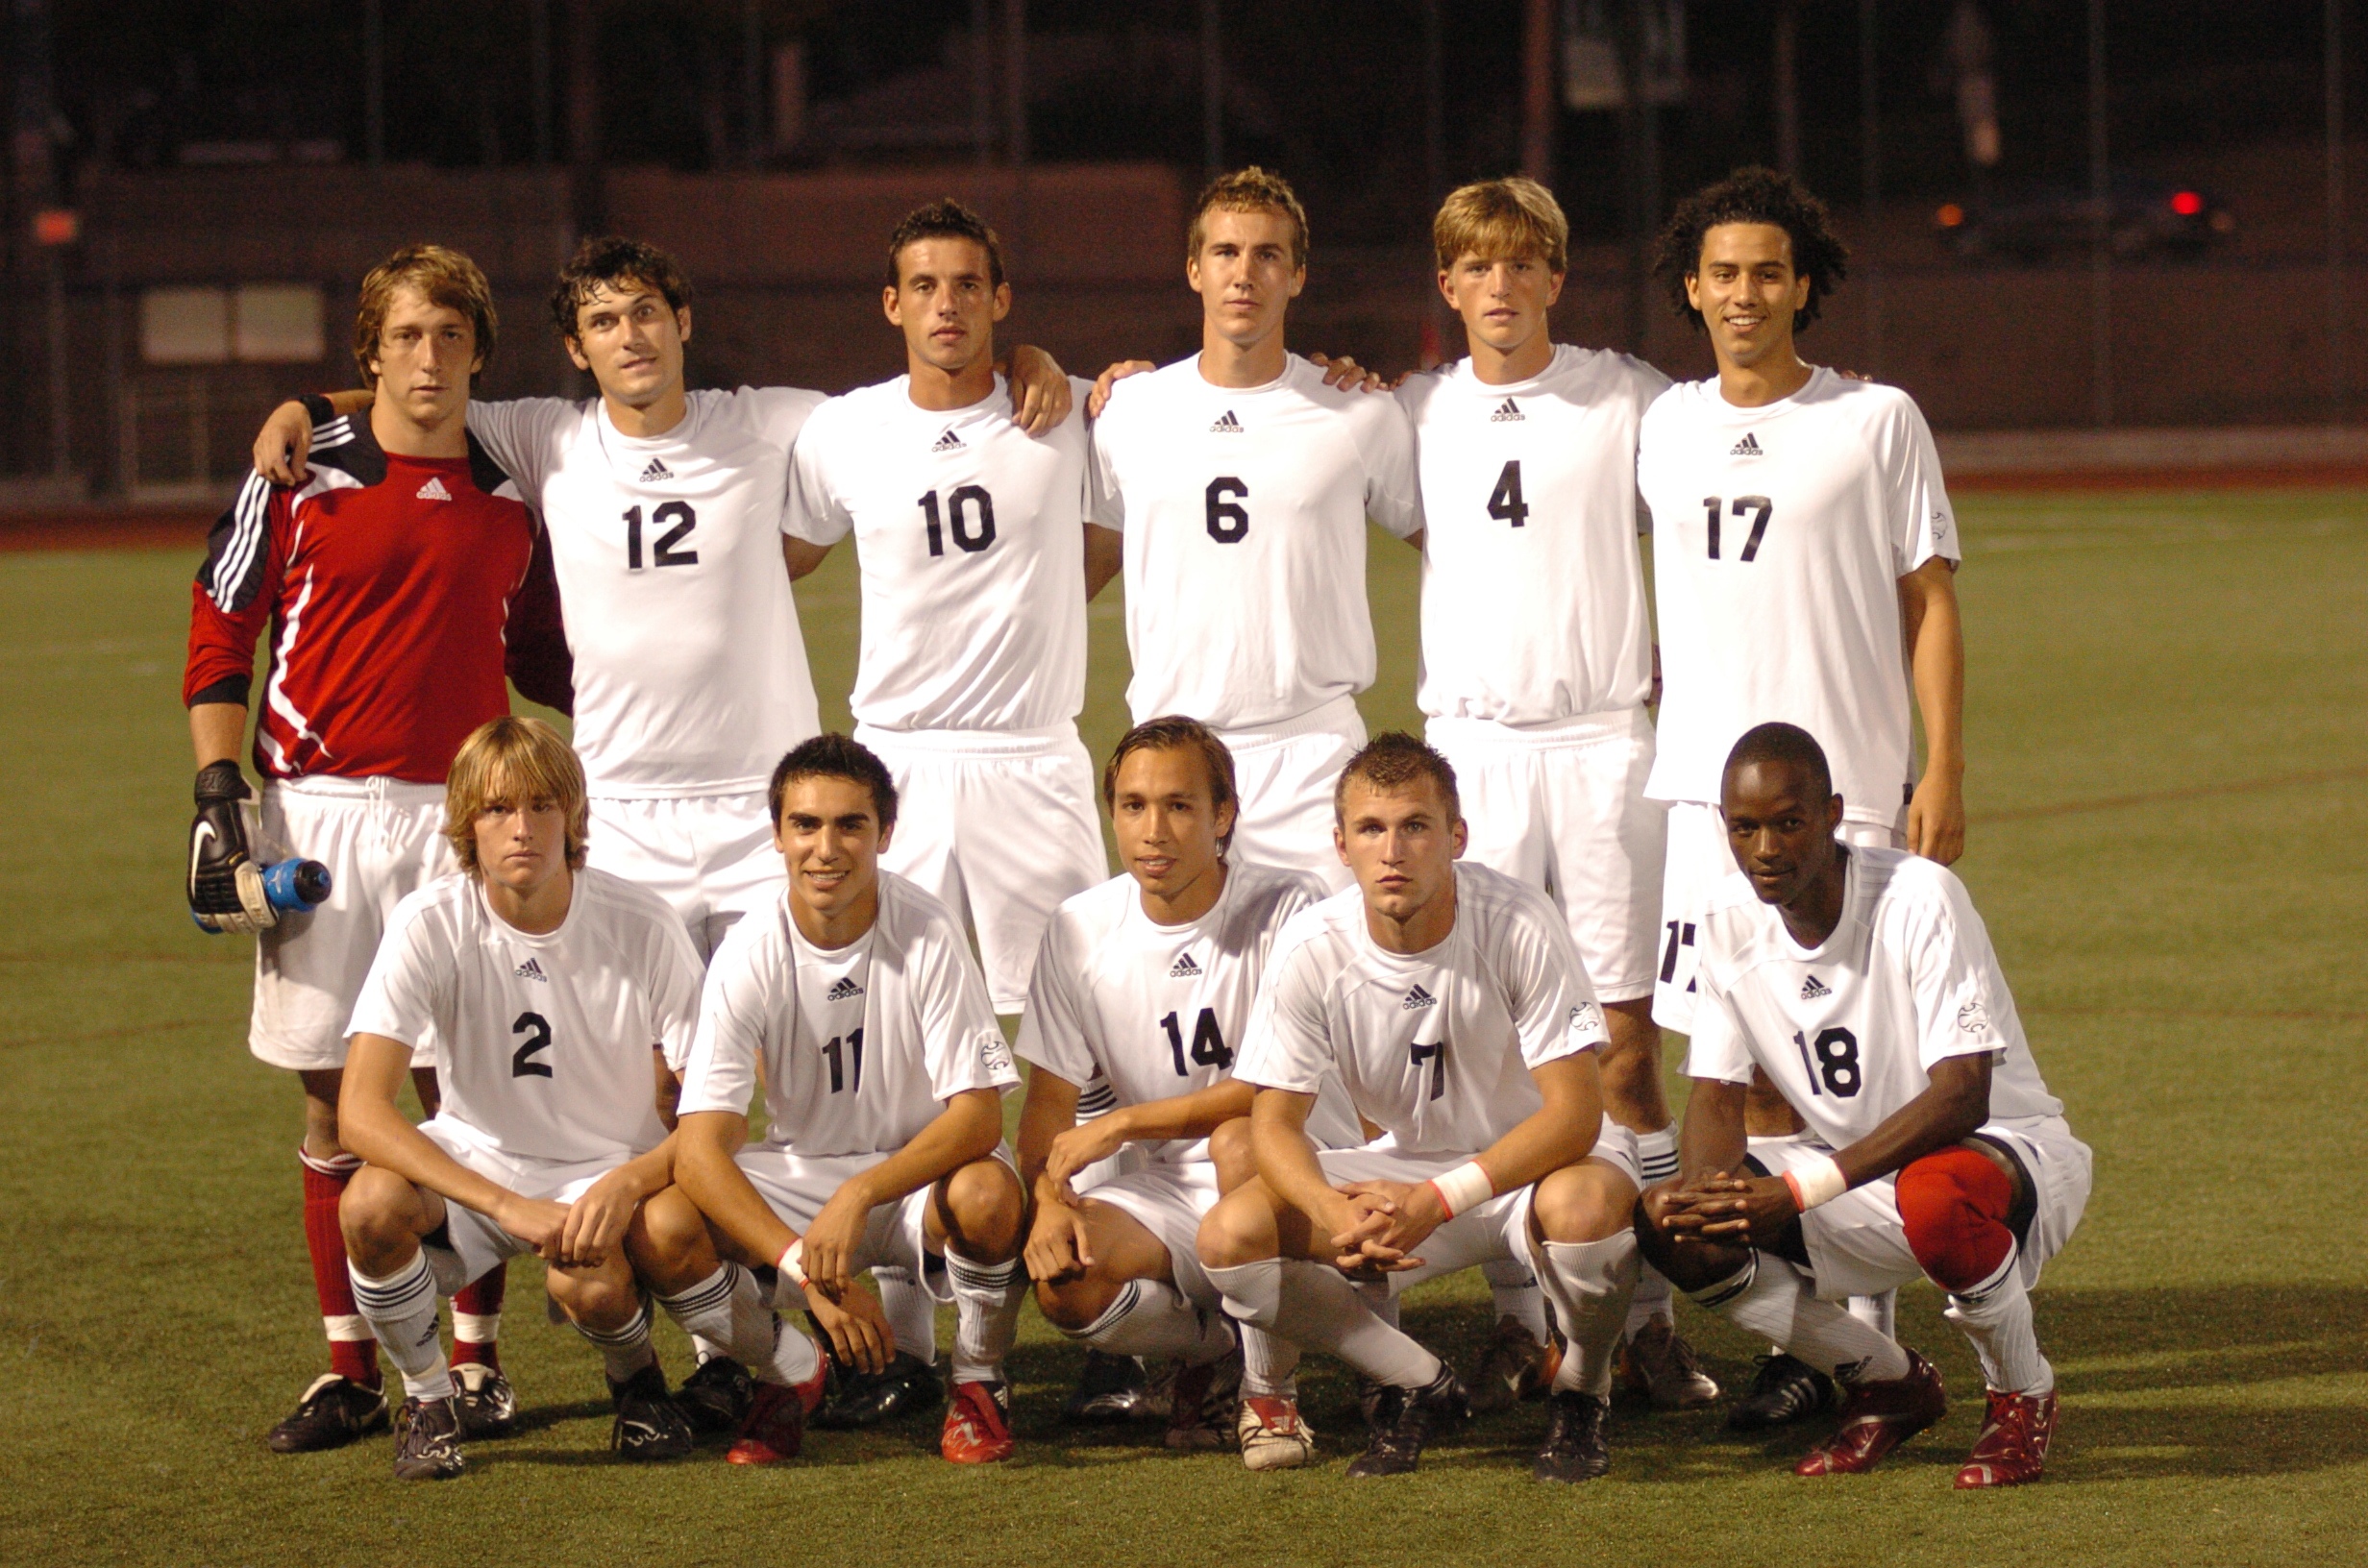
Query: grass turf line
[(2187, 965)]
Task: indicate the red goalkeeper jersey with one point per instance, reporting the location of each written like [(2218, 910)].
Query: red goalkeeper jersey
[(398, 592)]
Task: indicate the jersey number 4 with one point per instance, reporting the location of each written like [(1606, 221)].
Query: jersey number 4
[(538, 1030), (1505, 502), (846, 1059), (677, 520), (969, 511), (1759, 509), (1208, 1048), (1837, 1053)]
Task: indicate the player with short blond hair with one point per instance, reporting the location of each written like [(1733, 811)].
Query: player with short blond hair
[(550, 996), (1452, 1005), (1860, 979), (398, 585), (1241, 482), (1537, 664)]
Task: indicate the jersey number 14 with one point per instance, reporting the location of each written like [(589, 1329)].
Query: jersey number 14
[(1208, 1048)]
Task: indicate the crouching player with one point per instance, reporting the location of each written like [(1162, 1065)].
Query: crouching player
[(857, 1002), (1148, 981), (553, 995), (1863, 984), (1451, 1001)]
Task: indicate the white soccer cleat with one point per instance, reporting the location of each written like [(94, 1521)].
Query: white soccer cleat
[(1271, 1434)]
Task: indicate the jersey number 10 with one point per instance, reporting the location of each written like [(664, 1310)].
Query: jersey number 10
[(970, 511)]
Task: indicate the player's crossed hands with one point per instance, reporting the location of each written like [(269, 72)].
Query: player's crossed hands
[(1058, 1247), (859, 1329), (1722, 1206), (1079, 1147), (1383, 1222), (538, 1222)]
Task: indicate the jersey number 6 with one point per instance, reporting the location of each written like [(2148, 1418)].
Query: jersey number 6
[(538, 1030), (1228, 520)]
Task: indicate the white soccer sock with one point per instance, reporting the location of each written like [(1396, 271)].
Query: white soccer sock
[(1269, 1366), (401, 1311), (1879, 1313), (624, 1350), (1996, 1316), (910, 1311), (1657, 1158), (1769, 1297), (986, 1303), (1153, 1320), (1590, 1282), (1314, 1306), (726, 1314), (1517, 1293)]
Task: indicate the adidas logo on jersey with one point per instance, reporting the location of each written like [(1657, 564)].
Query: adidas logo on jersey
[(432, 490), (1226, 425), (1509, 412), (948, 442), (531, 970), (1185, 969), (657, 471), (1748, 447), (1812, 988), (1417, 998), (844, 989)]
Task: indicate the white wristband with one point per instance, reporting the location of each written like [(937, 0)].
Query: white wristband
[(1818, 1181), (1465, 1187), (793, 1263)]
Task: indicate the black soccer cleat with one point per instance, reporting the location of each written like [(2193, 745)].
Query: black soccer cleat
[(1784, 1391), (1111, 1391), (1402, 1420), (333, 1412), (907, 1385), (716, 1398), (488, 1404), (650, 1426), (427, 1440), (1574, 1447)]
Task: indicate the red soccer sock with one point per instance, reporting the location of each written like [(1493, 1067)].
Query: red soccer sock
[(477, 1318), (353, 1353), (1955, 1205)]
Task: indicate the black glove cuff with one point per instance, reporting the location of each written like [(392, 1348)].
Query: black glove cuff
[(317, 409), (219, 781)]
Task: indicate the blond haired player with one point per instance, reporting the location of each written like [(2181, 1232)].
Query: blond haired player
[(1804, 563), (1537, 664), (1449, 1000), (855, 1002), (1242, 481), (552, 994)]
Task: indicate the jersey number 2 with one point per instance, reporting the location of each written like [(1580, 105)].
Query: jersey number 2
[(1209, 1048), (667, 552), (1759, 509), (1837, 1052), (538, 1030), (973, 531)]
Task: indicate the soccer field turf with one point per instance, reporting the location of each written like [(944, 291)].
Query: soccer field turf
[(2169, 843)]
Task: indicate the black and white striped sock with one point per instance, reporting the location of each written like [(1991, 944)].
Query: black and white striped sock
[(401, 1311)]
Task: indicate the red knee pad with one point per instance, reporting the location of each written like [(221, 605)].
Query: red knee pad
[(1955, 1204)]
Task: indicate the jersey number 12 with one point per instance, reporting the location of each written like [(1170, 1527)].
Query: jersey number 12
[(677, 520)]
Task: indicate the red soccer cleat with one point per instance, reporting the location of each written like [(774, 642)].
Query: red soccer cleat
[(2012, 1448), (1876, 1418), (978, 1424), (775, 1427)]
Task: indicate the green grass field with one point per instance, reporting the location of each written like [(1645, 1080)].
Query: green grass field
[(2170, 844)]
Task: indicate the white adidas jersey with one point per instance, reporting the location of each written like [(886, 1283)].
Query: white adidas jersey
[(1434, 1048), (1244, 512), (857, 1049), (1785, 604), (1532, 589), (1158, 1011), (971, 537), (542, 1042), (1849, 1032), (691, 674)]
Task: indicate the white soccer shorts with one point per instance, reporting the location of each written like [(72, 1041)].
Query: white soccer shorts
[(1002, 826), (1497, 1229), (1857, 1245), (895, 1234), (1285, 773), (471, 1242), (1169, 1200), (381, 839), (1700, 857), (1562, 807), (711, 856)]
